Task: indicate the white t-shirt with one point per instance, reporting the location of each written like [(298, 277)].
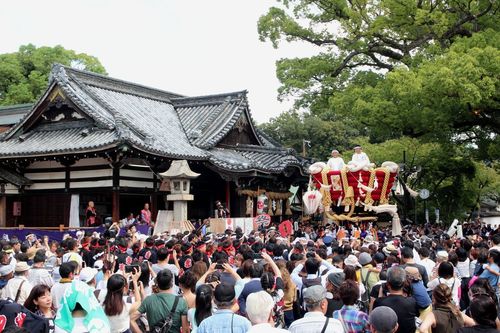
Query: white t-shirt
[(72, 256), (78, 327), (429, 266), (57, 292), (265, 328), (452, 283), (121, 322), (463, 268), (172, 268)]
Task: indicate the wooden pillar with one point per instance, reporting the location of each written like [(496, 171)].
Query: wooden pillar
[(153, 199), (228, 195), (3, 210), (67, 178), (115, 195)]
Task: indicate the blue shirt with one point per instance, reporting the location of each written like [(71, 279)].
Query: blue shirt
[(420, 294), (492, 278), (224, 321)]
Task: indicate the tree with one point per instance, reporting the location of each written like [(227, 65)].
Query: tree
[(291, 128), (24, 74), (358, 36), (401, 74)]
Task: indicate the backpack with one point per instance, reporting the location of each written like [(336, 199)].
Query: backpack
[(306, 283), (164, 325), (365, 297)]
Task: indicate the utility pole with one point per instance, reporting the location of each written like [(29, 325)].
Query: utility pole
[(304, 143)]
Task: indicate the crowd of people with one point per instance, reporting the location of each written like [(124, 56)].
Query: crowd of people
[(322, 279)]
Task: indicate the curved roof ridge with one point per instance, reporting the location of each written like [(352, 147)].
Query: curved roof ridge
[(111, 83), (236, 94)]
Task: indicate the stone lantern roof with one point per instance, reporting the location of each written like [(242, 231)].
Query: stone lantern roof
[(180, 170)]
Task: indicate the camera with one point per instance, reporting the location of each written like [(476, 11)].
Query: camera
[(131, 268)]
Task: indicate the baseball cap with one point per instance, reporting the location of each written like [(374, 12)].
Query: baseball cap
[(98, 264), (6, 270), (314, 294), (336, 278), (383, 319), (87, 274), (327, 240), (224, 293)]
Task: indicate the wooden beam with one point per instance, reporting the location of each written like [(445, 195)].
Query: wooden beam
[(115, 197), (115, 201), (3, 211)]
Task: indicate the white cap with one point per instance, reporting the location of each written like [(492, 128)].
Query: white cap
[(442, 254), (87, 274), (98, 264), (6, 269)]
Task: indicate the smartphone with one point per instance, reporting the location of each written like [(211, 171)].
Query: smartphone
[(131, 268), (219, 266)]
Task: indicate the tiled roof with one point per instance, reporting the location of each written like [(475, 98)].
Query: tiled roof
[(208, 119), (249, 158), (57, 142), (152, 120), (9, 115)]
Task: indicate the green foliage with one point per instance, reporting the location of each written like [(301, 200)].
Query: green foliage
[(24, 74), (419, 76), (291, 128)]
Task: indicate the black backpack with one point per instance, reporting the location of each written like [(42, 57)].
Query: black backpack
[(164, 325), (306, 283)]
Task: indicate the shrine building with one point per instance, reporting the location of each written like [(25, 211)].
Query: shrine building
[(95, 138)]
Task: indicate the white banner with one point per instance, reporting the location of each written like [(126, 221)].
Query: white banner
[(74, 211)]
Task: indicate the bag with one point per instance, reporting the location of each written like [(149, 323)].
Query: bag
[(365, 297), (166, 324), (306, 283)]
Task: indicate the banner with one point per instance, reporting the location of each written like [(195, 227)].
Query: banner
[(58, 235), (219, 226)]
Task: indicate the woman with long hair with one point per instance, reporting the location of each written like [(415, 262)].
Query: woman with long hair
[(203, 309), (290, 290), (445, 317), (351, 274), (39, 302), (115, 307)]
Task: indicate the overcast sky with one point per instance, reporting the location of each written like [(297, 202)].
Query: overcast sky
[(185, 46)]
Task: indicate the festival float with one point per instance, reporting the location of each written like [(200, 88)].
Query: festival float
[(356, 193)]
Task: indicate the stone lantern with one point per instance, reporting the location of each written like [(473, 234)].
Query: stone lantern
[(179, 174)]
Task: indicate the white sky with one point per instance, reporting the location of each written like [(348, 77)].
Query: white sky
[(192, 47)]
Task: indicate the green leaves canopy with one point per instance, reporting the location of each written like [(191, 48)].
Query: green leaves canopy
[(395, 75), (24, 74)]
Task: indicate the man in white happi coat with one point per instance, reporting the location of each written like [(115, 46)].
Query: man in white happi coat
[(359, 158), (336, 162)]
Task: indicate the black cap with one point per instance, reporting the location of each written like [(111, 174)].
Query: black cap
[(224, 293)]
